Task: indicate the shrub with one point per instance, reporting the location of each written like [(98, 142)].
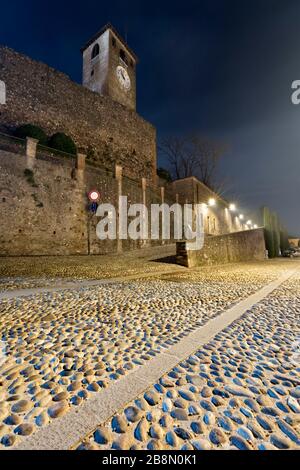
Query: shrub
[(29, 175), (164, 174), (30, 130), (63, 142), (284, 241), (270, 245)]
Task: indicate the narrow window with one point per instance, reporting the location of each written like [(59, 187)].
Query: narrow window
[(2, 92), (123, 56), (95, 51), (113, 41)]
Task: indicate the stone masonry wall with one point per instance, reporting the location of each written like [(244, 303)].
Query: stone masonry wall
[(43, 216), (108, 131), (248, 245), (45, 213)]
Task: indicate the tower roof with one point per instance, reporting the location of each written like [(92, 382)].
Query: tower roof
[(102, 30)]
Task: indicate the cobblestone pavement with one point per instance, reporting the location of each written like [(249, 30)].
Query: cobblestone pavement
[(239, 391), (58, 349), (27, 272), (13, 283)]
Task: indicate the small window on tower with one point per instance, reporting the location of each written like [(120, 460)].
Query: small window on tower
[(113, 41), (123, 56), (2, 92), (92, 72), (95, 51)]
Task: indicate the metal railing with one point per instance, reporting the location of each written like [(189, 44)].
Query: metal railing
[(17, 145), (11, 143), (48, 151)]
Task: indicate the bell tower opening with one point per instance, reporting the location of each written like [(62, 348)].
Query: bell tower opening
[(95, 51)]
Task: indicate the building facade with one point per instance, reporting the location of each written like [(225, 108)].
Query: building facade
[(294, 242), (219, 218)]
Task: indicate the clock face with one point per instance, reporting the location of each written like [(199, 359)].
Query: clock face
[(123, 77)]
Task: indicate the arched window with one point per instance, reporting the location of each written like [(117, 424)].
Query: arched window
[(123, 56), (2, 92), (95, 51)]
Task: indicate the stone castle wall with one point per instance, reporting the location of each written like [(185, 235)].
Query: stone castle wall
[(108, 131), (45, 213)]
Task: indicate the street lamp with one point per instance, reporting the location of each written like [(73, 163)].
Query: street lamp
[(211, 202), (241, 216), (232, 207)]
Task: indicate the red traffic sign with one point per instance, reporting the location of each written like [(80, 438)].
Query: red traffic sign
[(94, 195)]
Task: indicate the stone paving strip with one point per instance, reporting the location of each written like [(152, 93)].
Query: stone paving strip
[(28, 276), (59, 285), (64, 432), (239, 391), (16, 283)]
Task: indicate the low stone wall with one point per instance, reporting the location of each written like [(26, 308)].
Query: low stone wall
[(43, 203), (234, 247)]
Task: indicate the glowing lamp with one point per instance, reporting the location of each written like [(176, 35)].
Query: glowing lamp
[(212, 202), (94, 195)]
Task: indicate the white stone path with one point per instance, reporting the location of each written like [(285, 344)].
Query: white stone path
[(65, 285), (65, 432)]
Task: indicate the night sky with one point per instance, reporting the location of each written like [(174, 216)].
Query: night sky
[(220, 67)]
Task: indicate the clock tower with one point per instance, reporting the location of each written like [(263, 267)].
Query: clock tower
[(109, 67)]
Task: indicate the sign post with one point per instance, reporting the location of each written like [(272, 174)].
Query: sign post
[(94, 197)]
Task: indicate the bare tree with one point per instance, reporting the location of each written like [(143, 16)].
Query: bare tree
[(193, 155)]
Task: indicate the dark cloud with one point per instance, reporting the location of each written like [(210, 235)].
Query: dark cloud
[(223, 67)]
